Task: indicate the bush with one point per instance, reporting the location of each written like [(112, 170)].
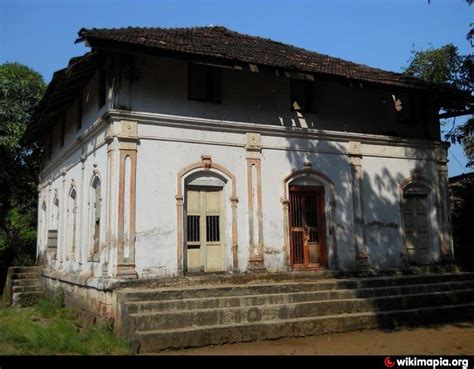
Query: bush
[(50, 329)]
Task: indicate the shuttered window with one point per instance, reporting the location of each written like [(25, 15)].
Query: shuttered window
[(416, 226), (302, 96), (204, 83)]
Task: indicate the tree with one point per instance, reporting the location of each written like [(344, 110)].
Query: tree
[(21, 88), (446, 65)]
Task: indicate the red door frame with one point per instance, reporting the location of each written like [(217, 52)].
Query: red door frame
[(321, 227)]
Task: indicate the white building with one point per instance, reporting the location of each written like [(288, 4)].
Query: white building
[(200, 150)]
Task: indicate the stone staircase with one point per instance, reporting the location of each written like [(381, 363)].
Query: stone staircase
[(199, 315), (23, 286)]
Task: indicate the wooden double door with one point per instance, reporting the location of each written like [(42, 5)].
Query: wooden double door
[(307, 228), (204, 230)]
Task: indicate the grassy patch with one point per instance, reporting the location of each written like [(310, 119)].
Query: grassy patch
[(50, 329)]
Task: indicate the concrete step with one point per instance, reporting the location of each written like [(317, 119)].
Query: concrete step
[(155, 294), (29, 288), (232, 315), (281, 277), (26, 269), (28, 275), (291, 297), (26, 282), (23, 299), (156, 340)]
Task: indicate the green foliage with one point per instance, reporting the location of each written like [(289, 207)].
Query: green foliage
[(464, 134), (48, 329), (20, 90), (442, 65), (446, 65), (55, 307), (461, 191)]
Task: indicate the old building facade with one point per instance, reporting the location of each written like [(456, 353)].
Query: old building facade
[(183, 151)]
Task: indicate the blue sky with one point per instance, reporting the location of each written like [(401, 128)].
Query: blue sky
[(379, 33)]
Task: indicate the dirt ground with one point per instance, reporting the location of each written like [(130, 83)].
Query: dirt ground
[(450, 339)]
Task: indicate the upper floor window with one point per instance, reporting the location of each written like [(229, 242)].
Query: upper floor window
[(49, 145), (62, 130), (79, 111), (303, 96), (403, 108), (102, 93), (204, 83)]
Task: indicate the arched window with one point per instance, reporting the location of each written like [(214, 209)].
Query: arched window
[(415, 216), (72, 221), (43, 226), (55, 214), (95, 213), (52, 236)]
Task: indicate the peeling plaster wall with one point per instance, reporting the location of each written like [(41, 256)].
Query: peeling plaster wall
[(69, 170), (164, 151), (157, 168), (382, 197), (284, 156), (165, 148)]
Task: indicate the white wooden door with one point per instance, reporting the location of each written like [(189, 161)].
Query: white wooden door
[(416, 227), (204, 230)]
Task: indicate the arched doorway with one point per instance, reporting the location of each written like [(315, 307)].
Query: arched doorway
[(307, 222), (416, 209), (309, 211), (206, 205), (205, 222)]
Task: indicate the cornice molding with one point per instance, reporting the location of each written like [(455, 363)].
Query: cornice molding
[(268, 130)]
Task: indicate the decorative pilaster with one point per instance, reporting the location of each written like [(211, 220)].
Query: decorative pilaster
[(62, 239), (355, 160), (235, 263), (47, 226), (179, 209), (40, 244), (446, 247), (82, 206), (253, 149), (127, 144), (286, 230)]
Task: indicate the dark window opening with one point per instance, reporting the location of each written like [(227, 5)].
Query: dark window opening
[(79, 112), (403, 105), (192, 229), (102, 88), (212, 228), (50, 145), (204, 83), (62, 132), (303, 96), (96, 215)]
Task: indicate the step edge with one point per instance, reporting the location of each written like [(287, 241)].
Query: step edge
[(164, 313), (302, 319), (289, 293)]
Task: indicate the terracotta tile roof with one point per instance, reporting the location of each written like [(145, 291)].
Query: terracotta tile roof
[(222, 43), (219, 44)]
